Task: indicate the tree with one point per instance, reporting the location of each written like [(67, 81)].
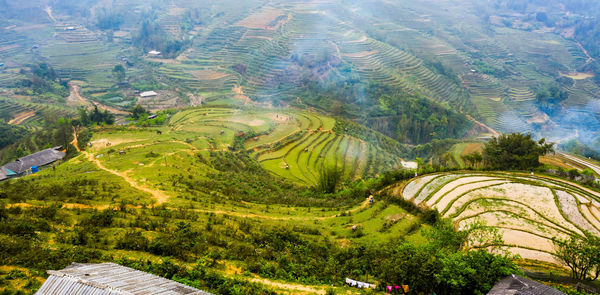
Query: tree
[(138, 112), (329, 179), (515, 151), (473, 272), (119, 72), (580, 254)]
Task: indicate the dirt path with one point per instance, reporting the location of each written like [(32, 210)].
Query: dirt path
[(48, 10), (492, 131), (239, 95), (589, 58), (75, 143), (74, 96), (160, 196), (21, 117)]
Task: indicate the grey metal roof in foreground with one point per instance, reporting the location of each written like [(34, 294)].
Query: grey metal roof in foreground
[(110, 279), (3, 174), (517, 285), (40, 158)]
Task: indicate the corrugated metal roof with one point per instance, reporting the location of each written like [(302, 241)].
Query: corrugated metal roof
[(40, 158), (3, 174), (517, 285), (110, 279)]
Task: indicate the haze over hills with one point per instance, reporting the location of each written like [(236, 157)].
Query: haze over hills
[(271, 146), (280, 51)]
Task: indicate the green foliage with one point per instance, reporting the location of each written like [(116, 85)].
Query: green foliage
[(10, 134), (515, 151), (329, 179), (474, 272), (407, 118), (119, 73), (138, 112), (95, 117), (576, 147), (58, 132), (152, 37), (43, 80), (549, 99), (107, 19), (580, 254)]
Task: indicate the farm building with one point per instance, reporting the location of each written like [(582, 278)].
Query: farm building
[(32, 162), (110, 279), (154, 53), (146, 94), (516, 285)]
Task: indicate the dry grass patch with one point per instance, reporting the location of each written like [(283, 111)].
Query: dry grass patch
[(208, 75)]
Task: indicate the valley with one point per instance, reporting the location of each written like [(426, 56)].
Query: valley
[(295, 147)]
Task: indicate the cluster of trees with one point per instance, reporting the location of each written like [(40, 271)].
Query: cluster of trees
[(10, 134), (95, 117), (152, 37), (138, 112), (515, 151), (107, 19), (43, 80), (407, 118), (549, 99)]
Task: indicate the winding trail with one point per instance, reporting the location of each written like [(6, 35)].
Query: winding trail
[(48, 10), (75, 97), (75, 143), (160, 196)]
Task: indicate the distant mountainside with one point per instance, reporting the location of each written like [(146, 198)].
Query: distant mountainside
[(323, 54)]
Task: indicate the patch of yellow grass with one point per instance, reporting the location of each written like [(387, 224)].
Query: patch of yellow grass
[(577, 75)]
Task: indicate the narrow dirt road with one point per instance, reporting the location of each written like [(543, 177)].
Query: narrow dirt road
[(75, 143), (160, 196), (48, 10), (492, 131), (75, 97)]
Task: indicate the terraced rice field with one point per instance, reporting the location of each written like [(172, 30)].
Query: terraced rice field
[(291, 144), (528, 210), (30, 115)]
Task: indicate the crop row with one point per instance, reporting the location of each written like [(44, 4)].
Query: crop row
[(520, 206)]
